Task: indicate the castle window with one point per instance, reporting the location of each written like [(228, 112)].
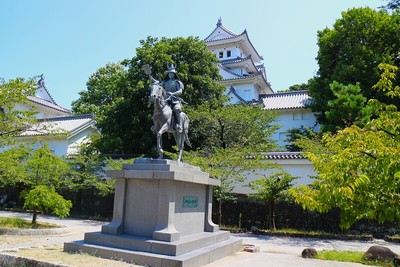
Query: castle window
[(221, 54), (228, 53)]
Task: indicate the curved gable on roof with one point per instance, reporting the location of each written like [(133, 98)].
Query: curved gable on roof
[(42, 92), (242, 40), (43, 98), (220, 32)]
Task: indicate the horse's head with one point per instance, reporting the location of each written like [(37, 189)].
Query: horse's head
[(155, 91)]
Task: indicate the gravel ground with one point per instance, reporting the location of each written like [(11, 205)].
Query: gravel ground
[(274, 251), (72, 230)]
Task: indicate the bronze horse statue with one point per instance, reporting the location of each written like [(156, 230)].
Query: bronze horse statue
[(164, 120)]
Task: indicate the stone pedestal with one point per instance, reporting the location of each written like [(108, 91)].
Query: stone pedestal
[(162, 217)]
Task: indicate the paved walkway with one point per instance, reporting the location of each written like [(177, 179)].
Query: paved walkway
[(274, 251), (286, 251)]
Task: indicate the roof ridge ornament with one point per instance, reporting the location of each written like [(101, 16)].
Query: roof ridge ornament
[(41, 83), (219, 23)]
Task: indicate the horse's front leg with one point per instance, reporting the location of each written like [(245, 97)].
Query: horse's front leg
[(180, 154), (163, 130)]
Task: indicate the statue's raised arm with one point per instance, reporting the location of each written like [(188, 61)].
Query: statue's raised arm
[(147, 69)]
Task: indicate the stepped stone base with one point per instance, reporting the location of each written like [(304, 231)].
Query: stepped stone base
[(190, 251)]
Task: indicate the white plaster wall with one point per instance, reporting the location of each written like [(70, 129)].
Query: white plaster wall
[(42, 94), (77, 140), (23, 107), (235, 52), (293, 118), (58, 147), (302, 168)]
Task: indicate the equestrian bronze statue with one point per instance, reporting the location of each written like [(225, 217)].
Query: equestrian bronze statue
[(168, 115)]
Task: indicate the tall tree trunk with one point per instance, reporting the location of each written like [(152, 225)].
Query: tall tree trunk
[(220, 212), (34, 216), (271, 204)]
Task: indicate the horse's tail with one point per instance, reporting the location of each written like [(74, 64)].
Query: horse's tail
[(185, 129), (187, 141)]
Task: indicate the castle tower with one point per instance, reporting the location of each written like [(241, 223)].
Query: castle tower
[(240, 65)]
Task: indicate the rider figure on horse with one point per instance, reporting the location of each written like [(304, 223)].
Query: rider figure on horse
[(168, 115), (174, 88)]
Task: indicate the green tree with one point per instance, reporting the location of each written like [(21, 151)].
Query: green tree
[(346, 108), (270, 189), (86, 178), (41, 173), (359, 167), (105, 88), (350, 52), (294, 134), (13, 121), (44, 198), (119, 96), (10, 164), (297, 87), (232, 140), (87, 172)]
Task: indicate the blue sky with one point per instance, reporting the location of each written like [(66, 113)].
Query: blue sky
[(68, 40)]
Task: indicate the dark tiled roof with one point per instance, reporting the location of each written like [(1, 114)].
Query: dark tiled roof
[(287, 100), (281, 155), (48, 104), (60, 125), (241, 61), (285, 155), (235, 60), (258, 73), (68, 118), (244, 76)]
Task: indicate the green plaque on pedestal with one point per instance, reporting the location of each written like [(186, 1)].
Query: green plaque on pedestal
[(189, 202)]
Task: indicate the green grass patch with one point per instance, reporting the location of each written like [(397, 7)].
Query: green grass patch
[(334, 255), (349, 256), (297, 231), (24, 224), (232, 229)]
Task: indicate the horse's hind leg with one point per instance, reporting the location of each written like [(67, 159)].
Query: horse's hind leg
[(179, 139), (159, 145)]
